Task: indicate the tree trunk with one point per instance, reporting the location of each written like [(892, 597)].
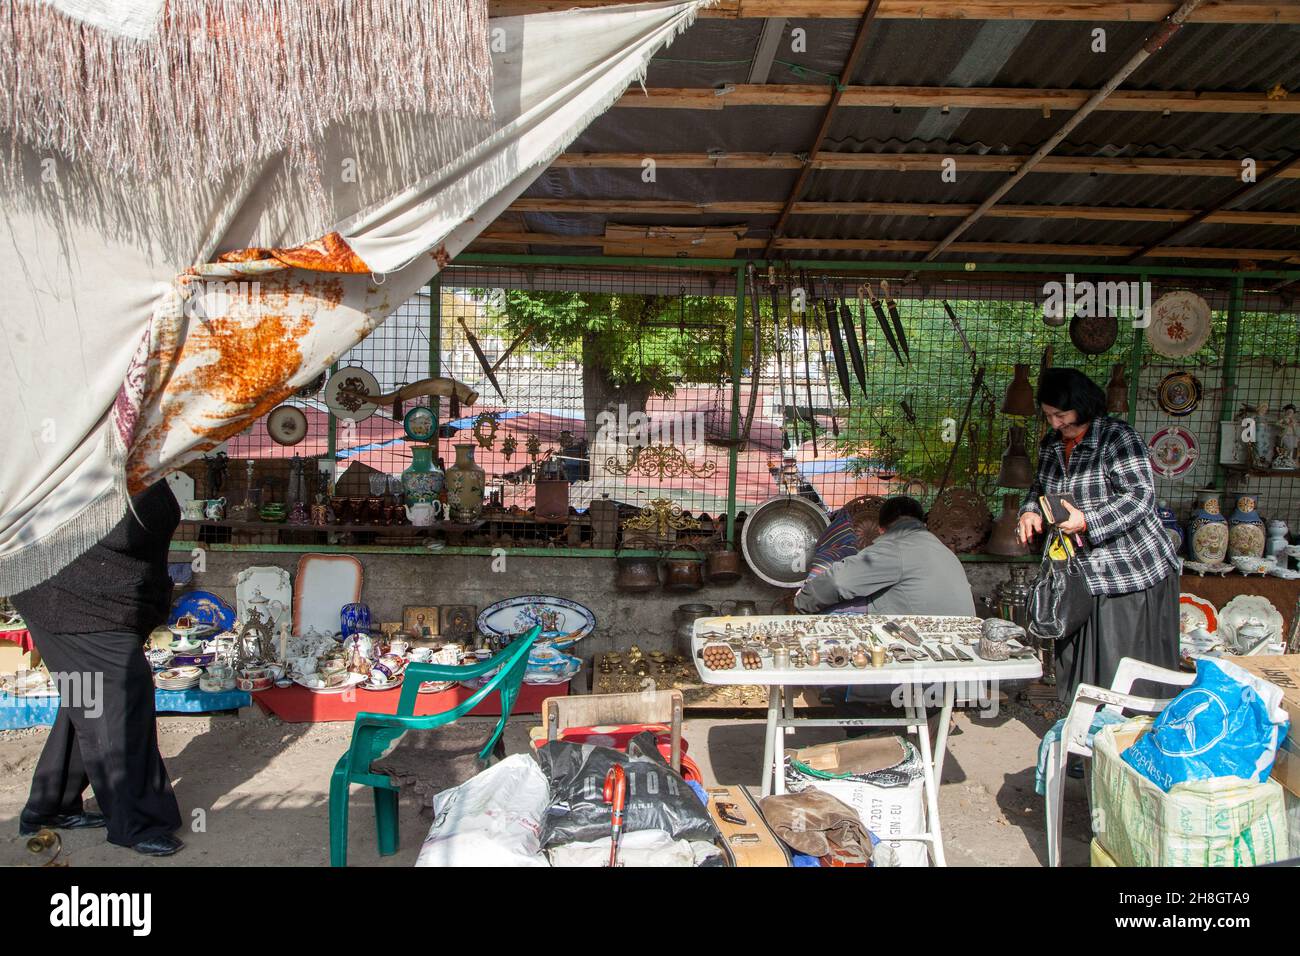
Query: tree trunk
[(599, 394)]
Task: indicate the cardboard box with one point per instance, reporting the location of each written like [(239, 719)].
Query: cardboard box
[(1284, 671), (14, 659)]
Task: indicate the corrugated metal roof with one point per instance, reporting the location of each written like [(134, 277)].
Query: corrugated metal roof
[(960, 53)]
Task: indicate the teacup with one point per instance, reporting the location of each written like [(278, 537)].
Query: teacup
[(215, 508), (399, 648), (421, 655), (195, 509)]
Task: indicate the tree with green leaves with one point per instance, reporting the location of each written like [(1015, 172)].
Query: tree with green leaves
[(630, 346)]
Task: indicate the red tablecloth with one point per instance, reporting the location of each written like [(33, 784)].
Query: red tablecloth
[(296, 705), (20, 636)]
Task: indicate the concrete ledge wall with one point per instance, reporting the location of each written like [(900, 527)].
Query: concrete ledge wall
[(393, 581)]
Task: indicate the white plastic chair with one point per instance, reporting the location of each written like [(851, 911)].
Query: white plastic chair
[(1074, 736)]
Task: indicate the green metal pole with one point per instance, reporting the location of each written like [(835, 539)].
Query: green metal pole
[(331, 439), (435, 342), (1231, 355), (733, 452), (1135, 360)]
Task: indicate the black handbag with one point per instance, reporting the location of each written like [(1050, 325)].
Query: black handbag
[(1060, 602)]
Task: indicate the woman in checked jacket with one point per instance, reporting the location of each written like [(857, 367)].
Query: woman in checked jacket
[(1129, 563)]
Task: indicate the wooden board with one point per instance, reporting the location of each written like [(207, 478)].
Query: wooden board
[(754, 843)]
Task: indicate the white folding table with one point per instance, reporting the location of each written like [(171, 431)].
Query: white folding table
[(981, 676)]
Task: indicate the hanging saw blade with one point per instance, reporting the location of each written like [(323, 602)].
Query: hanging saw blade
[(482, 359), (880, 318), (810, 306), (894, 316), (780, 375)]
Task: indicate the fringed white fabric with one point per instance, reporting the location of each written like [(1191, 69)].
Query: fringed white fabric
[(91, 279), (222, 84)]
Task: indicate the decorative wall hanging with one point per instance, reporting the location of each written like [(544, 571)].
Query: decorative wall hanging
[(1173, 451), (287, 425), (661, 518), (1180, 324), (659, 461), (485, 430), (1095, 334), (350, 394), (508, 447), (1179, 393), (418, 423)]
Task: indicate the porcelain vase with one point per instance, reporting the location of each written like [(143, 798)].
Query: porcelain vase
[(1207, 532), (422, 482), (465, 482), (1246, 530)]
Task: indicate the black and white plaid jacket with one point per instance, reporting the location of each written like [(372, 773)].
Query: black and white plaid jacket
[(1110, 479)]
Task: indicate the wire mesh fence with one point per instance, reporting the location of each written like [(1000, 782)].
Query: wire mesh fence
[(635, 385)]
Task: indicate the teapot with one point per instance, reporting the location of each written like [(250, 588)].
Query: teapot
[(423, 514)]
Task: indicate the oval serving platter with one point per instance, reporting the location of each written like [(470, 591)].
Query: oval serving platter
[(564, 622)]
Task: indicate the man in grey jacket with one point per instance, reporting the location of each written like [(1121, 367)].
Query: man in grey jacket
[(906, 570)]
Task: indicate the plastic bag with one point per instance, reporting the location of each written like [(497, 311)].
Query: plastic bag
[(493, 819), (657, 797), (1227, 723)]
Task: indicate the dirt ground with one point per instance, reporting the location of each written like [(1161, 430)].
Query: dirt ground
[(254, 790)]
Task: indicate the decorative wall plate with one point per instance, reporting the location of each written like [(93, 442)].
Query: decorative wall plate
[(1180, 324), (346, 390), (287, 425), (312, 388), (1173, 451), (1179, 393), (1194, 611), (419, 424)]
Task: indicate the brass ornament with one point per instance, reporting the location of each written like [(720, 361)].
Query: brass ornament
[(486, 422), (661, 518), (508, 446), (659, 461)]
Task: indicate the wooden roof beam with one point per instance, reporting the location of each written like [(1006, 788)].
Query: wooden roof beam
[(493, 236), (955, 97), (659, 207), (1223, 11), (919, 162)]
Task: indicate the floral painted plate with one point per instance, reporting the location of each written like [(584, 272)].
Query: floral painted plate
[(1194, 611), (1180, 324), (1173, 451)]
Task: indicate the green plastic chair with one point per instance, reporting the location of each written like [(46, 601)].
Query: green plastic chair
[(372, 734)]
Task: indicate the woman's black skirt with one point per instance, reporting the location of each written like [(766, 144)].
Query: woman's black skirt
[(1143, 625)]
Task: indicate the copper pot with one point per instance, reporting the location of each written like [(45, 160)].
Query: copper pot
[(637, 573), (684, 574), (723, 565)]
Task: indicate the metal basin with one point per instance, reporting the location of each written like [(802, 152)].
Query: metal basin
[(780, 537)]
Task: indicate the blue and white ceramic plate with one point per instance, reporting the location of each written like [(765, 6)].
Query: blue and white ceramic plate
[(206, 608), (564, 622)]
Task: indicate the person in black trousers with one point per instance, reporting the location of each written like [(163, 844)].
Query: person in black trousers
[(89, 622)]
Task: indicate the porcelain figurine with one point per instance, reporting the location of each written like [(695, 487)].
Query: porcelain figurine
[(1263, 448), (1288, 439), (1277, 541)]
